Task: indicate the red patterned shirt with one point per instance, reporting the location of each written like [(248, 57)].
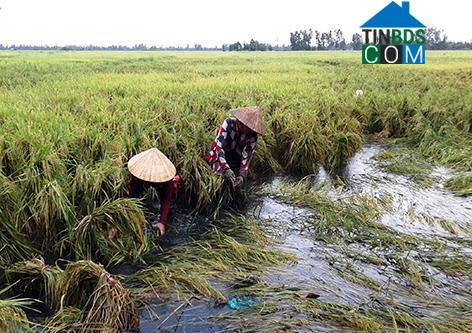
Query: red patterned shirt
[(229, 139)]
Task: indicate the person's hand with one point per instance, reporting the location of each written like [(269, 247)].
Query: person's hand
[(159, 227), (239, 181), (112, 233), (178, 185), (229, 174)]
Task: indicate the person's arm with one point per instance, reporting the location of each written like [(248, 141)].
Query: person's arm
[(247, 154), (134, 187), (218, 144), (171, 188), (166, 198)]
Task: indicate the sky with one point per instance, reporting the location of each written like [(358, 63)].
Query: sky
[(207, 22)]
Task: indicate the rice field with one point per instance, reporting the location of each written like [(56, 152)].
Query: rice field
[(69, 121)]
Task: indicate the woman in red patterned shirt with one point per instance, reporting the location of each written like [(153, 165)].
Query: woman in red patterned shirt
[(232, 150)]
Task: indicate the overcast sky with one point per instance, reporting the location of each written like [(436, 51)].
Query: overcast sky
[(207, 22)]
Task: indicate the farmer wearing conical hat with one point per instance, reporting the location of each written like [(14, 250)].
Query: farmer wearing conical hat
[(151, 168), (232, 150)]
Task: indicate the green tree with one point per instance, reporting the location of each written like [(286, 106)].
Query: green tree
[(356, 42), (301, 40), (436, 39)]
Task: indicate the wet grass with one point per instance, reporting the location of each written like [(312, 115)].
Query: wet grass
[(232, 252), (420, 272), (12, 313), (83, 297), (382, 317), (453, 265), (407, 162), (280, 309), (355, 219), (340, 219), (460, 183)]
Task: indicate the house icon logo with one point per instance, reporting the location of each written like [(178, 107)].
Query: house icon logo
[(394, 36)]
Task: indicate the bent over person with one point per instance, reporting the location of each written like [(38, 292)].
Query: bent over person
[(151, 168), (232, 150)]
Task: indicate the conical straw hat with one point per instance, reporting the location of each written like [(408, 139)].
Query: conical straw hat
[(251, 117), (152, 166)]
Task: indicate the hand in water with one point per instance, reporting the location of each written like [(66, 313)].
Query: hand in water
[(229, 174), (159, 227), (239, 181)]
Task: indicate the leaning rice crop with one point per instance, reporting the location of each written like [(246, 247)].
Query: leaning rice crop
[(380, 318), (342, 218), (107, 305), (90, 239), (460, 183), (95, 183), (67, 319), (12, 316), (34, 277), (13, 243), (230, 251), (69, 123), (51, 213)]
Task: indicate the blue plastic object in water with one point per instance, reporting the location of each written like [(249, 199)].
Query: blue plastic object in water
[(237, 303)]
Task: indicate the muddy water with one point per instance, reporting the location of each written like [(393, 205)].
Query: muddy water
[(321, 268)]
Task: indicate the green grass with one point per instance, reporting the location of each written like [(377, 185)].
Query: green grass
[(344, 219), (70, 120), (12, 315), (382, 318), (407, 162), (460, 183), (233, 251)]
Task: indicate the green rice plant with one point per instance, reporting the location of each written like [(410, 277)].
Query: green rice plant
[(409, 269), (67, 319), (107, 305), (84, 295), (445, 143), (230, 251), (34, 277), (460, 183), (89, 238), (454, 265), (98, 182), (350, 219), (70, 121), (381, 318), (12, 316), (405, 161), (51, 213), (13, 243)]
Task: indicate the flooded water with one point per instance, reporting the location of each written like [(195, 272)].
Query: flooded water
[(333, 271), (415, 208)]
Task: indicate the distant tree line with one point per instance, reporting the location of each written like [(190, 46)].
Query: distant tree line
[(138, 47), (307, 40), (253, 45), (334, 40), (436, 39)]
